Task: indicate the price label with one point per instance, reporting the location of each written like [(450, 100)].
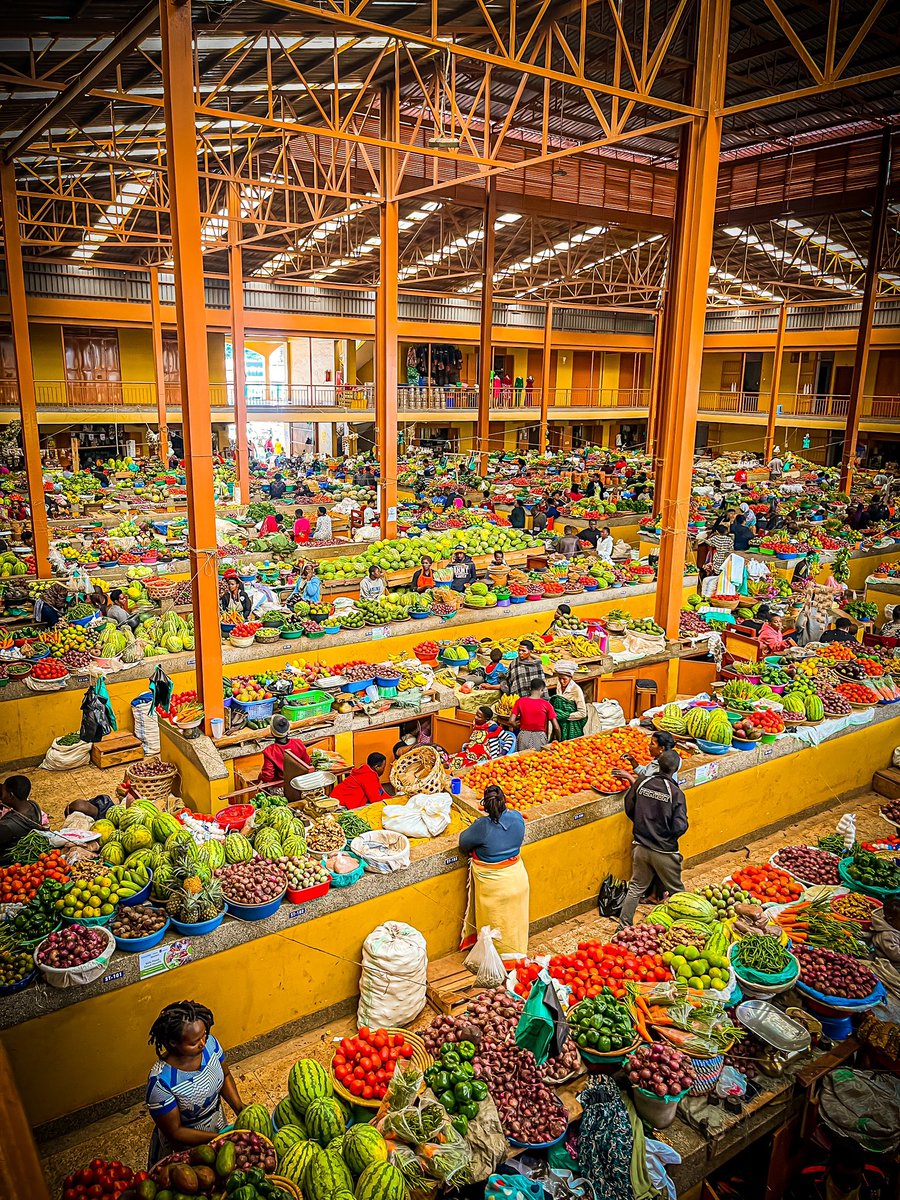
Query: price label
[(298, 912), (578, 817), (192, 662), (707, 771), (379, 631), (454, 858), (114, 975), (165, 958)]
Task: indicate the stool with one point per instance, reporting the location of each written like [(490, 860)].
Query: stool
[(644, 696)]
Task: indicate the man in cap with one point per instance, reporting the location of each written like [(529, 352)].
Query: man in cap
[(463, 570)]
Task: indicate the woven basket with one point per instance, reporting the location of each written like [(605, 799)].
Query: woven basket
[(707, 1072), (421, 1060), (286, 1185), (419, 770), (156, 788), (161, 589)]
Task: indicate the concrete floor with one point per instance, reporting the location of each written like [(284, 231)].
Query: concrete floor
[(53, 790), (262, 1078)]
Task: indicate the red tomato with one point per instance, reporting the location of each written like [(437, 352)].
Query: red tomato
[(406, 1051), (368, 1092)]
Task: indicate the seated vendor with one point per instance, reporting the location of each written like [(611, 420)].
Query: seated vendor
[(842, 632), (19, 814), (363, 784), (771, 639), (495, 671), (273, 756)]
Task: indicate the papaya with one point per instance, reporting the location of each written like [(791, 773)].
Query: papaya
[(226, 1160)]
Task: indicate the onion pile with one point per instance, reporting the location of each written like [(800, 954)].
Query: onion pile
[(529, 1110), (640, 939), (834, 974), (660, 1070), (72, 947), (809, 864), (254, 882), (561, 1067)]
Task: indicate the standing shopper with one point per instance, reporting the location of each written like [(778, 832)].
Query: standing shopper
[(187, 1084), (524, 671), (498, 882), (656, 807), (535, 716)]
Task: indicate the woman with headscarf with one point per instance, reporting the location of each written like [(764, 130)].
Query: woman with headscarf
[(569, 703), (891, 626), (498, 882)]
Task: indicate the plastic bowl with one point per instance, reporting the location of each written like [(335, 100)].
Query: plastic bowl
[(711, 747), (198, 928), (255, 912), (138, 897), (234, 816), (740, 744), (134, 945)]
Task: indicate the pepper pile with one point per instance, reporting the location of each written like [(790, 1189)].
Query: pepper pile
[(452, 1079), (20, 881)]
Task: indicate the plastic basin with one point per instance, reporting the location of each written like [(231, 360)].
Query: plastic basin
[(255, 912), (301, 895), (234, 816), (134, 945), (138, 897), (198, 928)]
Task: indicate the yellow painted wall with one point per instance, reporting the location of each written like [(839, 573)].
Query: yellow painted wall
[(711, 373), (47, 352), (256, 987), (215, 343), (564, 367), (610, 364), (136, 356)]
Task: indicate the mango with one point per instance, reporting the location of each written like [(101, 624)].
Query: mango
[(184, 1179)]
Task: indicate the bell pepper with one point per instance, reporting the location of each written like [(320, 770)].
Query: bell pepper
[(465, 1050), (460, 1124), (479, 1090), (448, 1100), (463, 1091)]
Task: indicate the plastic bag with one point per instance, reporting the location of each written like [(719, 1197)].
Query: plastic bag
[(542, 1026), (66, 758), (95, 722), (162, 687), (423, 816), (382, 850), (63, 977), (659, 1155), (484, 960), (604, 715), (847, 827), (611, 896), (146, 722), (392, 982)]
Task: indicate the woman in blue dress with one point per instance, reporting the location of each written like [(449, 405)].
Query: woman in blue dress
[(187, 1084)]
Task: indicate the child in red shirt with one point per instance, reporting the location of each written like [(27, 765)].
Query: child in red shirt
[(535, 715), (363, 784)]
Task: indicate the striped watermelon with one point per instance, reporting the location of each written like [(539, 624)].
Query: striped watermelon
[(254, 1118), (237, 848), (324, 1175), (286, 1137), (324, 1120), (307, 1081), (295, 1161), (286, 1114), (363, 1144), (381, 1181)]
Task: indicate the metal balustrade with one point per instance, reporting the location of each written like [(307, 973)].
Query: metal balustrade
[(799, 404)]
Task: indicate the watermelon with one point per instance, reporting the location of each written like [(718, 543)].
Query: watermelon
[(307, 1081), (115, 814), (286, 1114), (213, 854), (237, 848), (254, 1118), (325, 1174), (363, 1145), (286, 1137), (163, 826), (295, 1161), (132, 816), (136, 837), (381, 1181), (324, 1120), (113, 853)]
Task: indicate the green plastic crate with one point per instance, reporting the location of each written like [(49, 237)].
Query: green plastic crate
[(307, 704)]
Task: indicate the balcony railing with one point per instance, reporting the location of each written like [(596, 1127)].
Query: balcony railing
[(799, 404)]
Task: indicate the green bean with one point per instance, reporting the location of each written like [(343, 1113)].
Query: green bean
[(763, 953)]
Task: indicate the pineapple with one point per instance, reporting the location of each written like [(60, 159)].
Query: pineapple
[(186, 870), (194, 906)]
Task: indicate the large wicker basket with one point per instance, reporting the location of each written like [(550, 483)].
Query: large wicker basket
[(161, 589), (157, 787), (419, 770)]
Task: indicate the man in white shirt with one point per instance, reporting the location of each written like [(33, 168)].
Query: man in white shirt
[(605, 545), (322, 531)]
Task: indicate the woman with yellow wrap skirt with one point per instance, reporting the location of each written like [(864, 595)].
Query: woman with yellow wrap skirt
[(498, 882)]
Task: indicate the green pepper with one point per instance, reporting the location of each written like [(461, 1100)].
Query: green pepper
[(447, 1048), (479, 1090), (466, 1070), (441, 1082), (463, 1091), (465, 1050), (460, 1124), (604, 1045), (449, 1059), (449, 1101), (469, 1110)]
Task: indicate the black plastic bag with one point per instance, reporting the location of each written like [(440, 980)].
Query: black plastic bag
[(611, 896), (161, 686), (95, 722)]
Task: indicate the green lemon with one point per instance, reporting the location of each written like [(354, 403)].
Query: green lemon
[(691, 952)]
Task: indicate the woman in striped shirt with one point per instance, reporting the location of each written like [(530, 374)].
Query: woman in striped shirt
[(186, 1086)]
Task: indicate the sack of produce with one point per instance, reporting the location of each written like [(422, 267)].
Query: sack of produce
[(382, 850), (423, 816), (74, 955), (146, 722), (392, 982), (604, 715), (67, 752)]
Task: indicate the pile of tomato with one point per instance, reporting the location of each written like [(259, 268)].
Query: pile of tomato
[(768, 721), (20, 882), (49, 669), (364, 1064), (593, 966), (101, 1180), (857, 693), (768, 884), (563, 769)]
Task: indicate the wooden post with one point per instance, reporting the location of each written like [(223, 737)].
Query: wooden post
[(236, 290), (485, 344)]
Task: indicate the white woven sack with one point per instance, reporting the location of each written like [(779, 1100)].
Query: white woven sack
[(392, 982), (66, 758), (382, 850), (74, 976)]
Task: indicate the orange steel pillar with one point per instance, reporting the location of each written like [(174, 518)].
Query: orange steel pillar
[(159, 370), (485, 352), (680, 374), (190, 307), (776, 381), (236, 290), (386, 305), (545, 377), (18, 311), (867, 312), (655, 366)]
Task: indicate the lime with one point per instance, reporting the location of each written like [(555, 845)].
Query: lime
[(691, 952)]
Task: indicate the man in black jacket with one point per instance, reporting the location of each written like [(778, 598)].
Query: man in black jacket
[(656, 806)]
